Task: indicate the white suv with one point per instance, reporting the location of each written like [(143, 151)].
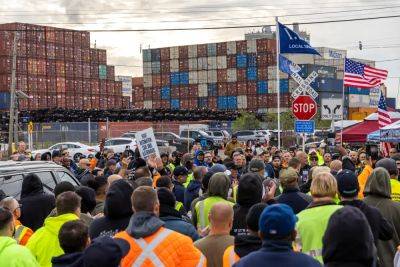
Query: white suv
[(120, 144)]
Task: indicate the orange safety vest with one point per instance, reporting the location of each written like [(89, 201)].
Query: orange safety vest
[(163, 248), (22, 233), (230, 257)]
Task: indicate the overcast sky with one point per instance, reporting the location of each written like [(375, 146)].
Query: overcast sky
[(380, 38)]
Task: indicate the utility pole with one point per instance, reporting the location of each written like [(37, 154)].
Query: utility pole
[(13, 122)]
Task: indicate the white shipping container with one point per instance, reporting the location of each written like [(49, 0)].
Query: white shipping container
[(147, 80), (155, 67), (193, 77), (292, 85), (203, 90), (332, 53), (202, 63), (146, 68), (242, 101), (221, 62), (301, 58), (271, 86), (174, 65), (232, 75), (340, 75), (212, 63), (251, 46), (192, 51), (212, 76), (192, 63), (202, 76), (231, 48), (174, 52), (148, 104), (359, 101), (272, 73)]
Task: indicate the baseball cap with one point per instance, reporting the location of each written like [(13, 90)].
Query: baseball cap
[(111, 162), (347, 183), (277, 221), (180, 170), (105, 251), (288, 176), (388, 164), (56, 153), (256, 165)]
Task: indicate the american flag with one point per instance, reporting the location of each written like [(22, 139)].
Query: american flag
[(362, 76), (383, 120)]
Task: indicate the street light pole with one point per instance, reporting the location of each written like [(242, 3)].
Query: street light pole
[(12, 125)]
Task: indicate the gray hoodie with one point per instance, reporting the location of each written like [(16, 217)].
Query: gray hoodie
[(378, 192), (143, 224)]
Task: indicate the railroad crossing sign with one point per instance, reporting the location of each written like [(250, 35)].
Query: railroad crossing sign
[(304, 107), (304, 85)]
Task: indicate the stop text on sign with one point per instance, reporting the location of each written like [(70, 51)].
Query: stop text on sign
[(304, 107)]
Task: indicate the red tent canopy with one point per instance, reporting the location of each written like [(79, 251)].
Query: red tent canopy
[(358, 133)]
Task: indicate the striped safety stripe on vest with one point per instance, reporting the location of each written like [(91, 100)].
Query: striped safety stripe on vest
[(201, 220), (19, 231), (232, 257)]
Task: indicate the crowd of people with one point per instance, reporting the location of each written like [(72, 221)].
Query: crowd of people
[(254, 206)]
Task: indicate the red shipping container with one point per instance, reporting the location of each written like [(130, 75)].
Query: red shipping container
[(138, 105), (30, 49), (231, 61), (5, 83), (262, 60), (184, 91), (59, 52), (102, 56), (22, 66), (94, 71), (174, 92), (94, 55), (50, 35), (51, 85), (60, 85), (183, 52), (41, 67), (85, 39), (5, 65), (68, 37), (85, 55), (193, 103), (61, 103), (51, 67), (241, 88), (32, 83), (156, 104), (137, 81), (41, 51), (156, 93), (193, 91), (263, 101), (50, 51), (262, 45), (69, 69), (165, 67), (271, 45), (94, 86), (221, 49), (69, 86), (241, 75), (21, 48), (164, 54), (22, 83), (212, 103), (148, 94), (30, 34), (32, 66), (183, 64), (202, 50), (79, 102), (78, 70), (118, 88), (102, 103), (69, 53), (156, 79), (241, 47), (86, 71), (232, 88), (252, 101), (271, 58), (252, 88), (165, 104), (222, 75), (222, 89), (77, 53), (41, 84), (42, 100), (262, 74), (60, 68), (165, 80), (102, 87), (77, 38), (59, 33), (78, 87), (110, 72)]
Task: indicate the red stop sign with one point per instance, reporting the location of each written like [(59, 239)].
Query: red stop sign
[(304, 107)]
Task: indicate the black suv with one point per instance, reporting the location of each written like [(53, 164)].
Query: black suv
[(12, 174), (181, 143)]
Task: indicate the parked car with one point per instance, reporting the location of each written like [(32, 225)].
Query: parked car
[(164, 147), (76, 150), (181, 143), (217, 135), (250, 135), (12, 174), (130, 134), (266, 133), (207, 141), (120, 144)]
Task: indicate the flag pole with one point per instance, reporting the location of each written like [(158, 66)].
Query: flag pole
[(341, 130), (278, 82)]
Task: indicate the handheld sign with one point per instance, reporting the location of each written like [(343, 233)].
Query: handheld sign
[(147, 143)]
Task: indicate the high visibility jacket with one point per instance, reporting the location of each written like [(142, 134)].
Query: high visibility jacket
[(163, 248), (178, 205), (203, 207), (22, 233), (316, 218), (171, 167), (155, 178), (230, 257), (320, 159), (395, 185), (189, 178), (362, 180)]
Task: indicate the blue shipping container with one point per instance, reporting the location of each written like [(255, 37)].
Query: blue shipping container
[(212, 49), (327, 85), (262, 87), (155, 54), (175, 78), (212, 89), (146, 55), (165, 92), (222, 102), (241, 61), (232, 102), (252, 60), (202, 102), (4, 100), (358, 91), (323, 71), (252, 74), (391, 102), (284, 86), (175, 104), (184, 78)]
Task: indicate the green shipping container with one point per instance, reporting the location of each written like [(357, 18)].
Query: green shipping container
[(103, 72)]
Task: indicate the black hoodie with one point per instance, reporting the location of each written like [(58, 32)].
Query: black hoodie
[(117, 211), (249, 192), (245, 244), (68, 260), (36, 204)]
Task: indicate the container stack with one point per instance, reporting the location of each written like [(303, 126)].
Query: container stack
[(137, 93), (57, 69)]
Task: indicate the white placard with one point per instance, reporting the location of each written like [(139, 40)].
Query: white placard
[(331, 108), (147, 143)]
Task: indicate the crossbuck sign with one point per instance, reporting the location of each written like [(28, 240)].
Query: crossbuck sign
[(304, 85)]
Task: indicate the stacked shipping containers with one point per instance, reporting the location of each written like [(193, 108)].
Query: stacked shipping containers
[(56, 68)]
